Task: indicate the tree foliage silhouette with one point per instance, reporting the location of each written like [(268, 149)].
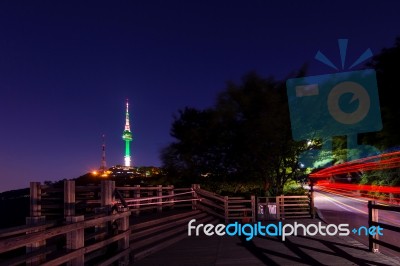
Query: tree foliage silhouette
[(244, 138), (386, 65)]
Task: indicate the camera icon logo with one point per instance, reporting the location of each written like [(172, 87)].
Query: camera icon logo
[(338, 104), (358, 92), (334, 105)]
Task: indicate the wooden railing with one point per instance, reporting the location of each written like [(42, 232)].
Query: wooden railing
[(294, 207), (91, 225), (140, 199), (225, 207), (285, 207), (88, 199), (74, 240), (77, 224), (373, 220)]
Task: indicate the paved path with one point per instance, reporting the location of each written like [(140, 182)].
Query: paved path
[(296, 250), (335, 208)]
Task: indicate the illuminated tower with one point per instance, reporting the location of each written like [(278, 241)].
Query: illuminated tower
[(127, 137)]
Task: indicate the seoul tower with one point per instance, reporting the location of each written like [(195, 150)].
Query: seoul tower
[(127, 137)]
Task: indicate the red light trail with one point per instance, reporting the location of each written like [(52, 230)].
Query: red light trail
[(356, 187), (378, 162)]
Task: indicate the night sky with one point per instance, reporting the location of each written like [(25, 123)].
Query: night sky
[(67, 68)]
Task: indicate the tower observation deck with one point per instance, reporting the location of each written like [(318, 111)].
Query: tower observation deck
[(127, 137)]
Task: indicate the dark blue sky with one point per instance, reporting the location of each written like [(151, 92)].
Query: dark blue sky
[(67, 67)]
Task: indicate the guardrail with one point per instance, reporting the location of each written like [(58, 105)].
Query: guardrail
[(77, 224), (140, 199), (373, 220), (88, 199), (90, 225), (225, 207), (248, 210), (294, 207), (75, 240)]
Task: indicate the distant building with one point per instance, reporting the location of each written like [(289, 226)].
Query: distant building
[(134, 172), (122, 171)]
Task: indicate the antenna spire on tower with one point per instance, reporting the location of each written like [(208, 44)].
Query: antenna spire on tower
[(127, 126), (103, 166)]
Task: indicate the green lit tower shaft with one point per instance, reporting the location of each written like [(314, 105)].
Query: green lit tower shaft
[(127, 137)]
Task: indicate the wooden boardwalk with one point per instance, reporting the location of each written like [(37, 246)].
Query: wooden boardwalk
[(296, 250), (101, 225)]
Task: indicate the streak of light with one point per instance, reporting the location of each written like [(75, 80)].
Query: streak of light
[(377, 162), (341, 195), (355, 187), (344, 204)]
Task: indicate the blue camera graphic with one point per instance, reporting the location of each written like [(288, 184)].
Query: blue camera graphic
[(334, 105), (338, 104)]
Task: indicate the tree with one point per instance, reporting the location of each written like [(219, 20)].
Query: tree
[(195, 152), (245, 138), (386, 65)]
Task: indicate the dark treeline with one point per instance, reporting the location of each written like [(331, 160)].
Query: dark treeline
[(244, 141)]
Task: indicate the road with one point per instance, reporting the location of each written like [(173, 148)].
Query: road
[(336, 209)]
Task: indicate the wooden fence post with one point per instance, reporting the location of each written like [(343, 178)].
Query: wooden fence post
[(123, 243), (253, 208), (35, 218), (194, 196), (75, 239), (35, 199), (159, 198), (372, 217), (107, 199), (69, 198), (136, 196), (107, 193), (278, 207), (126, 193), (171, 194), (311, 195), (226, 209)]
